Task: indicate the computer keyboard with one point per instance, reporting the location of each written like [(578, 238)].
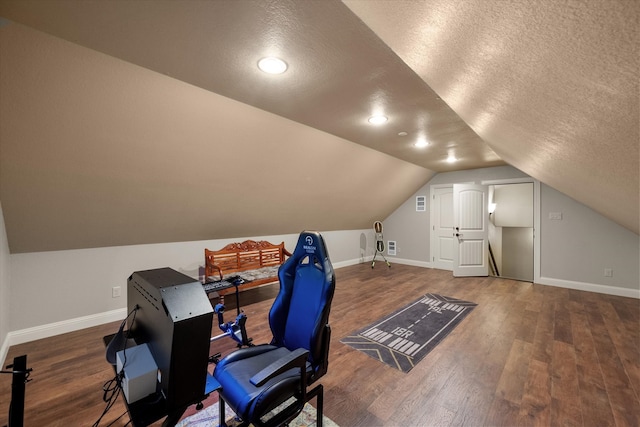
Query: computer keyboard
[(216, 286)]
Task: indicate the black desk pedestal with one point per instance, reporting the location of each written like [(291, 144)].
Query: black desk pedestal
[(154, 407)]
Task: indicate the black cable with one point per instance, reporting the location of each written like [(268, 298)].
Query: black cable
[(124, 350), (122, 415), (112, 388), (111, 391)]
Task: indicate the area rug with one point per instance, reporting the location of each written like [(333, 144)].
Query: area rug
[(209, 417), (406, 336)]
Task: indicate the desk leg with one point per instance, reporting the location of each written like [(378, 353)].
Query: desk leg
[(173, 417)]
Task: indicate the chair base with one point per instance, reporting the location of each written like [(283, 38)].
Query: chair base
[(317, 392)]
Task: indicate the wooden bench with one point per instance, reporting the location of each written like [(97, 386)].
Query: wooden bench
[(256, 263)]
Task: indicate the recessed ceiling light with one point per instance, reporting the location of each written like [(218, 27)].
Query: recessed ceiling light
[(421, 143), (402, 133), (378, 120), (272, 65), (451, 158)]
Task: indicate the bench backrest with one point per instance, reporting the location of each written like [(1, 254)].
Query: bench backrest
[(248, 255)]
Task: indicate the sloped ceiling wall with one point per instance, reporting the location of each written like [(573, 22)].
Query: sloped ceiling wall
[(99, 152), (339, 73)]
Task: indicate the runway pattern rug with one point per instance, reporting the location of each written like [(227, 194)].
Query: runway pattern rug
[(406, 336), (209, 417)]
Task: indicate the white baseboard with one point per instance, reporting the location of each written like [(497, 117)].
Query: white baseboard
[(70, 325), (415, 263), (57, 328), (569, 284), (391, 260), (4, 349), (52, 329), (45, 331), (590, 287), (349, 262), (346, 263)]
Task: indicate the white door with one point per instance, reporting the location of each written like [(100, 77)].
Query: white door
[(441, 226), (470, 230)]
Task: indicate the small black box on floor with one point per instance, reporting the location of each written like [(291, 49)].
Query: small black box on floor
[(174, 318)]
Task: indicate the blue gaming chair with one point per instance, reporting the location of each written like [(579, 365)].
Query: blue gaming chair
[(257, 379)]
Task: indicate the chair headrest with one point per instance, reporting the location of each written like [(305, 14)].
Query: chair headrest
[(310, 243)]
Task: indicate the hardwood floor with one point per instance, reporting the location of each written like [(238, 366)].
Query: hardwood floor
[(527, 355)]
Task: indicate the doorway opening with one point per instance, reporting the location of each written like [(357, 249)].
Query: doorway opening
[(511, 231), (511, 227)]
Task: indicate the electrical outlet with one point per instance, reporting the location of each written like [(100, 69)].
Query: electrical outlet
[(608, 272), (555, 216), (115, 292)]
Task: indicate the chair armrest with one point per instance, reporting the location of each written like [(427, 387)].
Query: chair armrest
[(297, 358), (286, 252)]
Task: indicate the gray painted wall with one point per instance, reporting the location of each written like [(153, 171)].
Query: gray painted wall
[(583, 243), (4, 283), (575, 249), (517, 253), (411, 229), (79, 281)]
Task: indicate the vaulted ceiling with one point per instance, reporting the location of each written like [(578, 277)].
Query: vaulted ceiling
[(548, 87)]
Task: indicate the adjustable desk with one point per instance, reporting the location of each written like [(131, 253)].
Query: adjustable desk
[(152, 408)]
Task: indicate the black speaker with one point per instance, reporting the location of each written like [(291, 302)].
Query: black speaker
[(174, 318)]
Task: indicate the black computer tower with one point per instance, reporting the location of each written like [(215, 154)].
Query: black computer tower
[(174, 318)]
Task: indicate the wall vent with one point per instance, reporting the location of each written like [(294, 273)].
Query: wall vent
[(391, 247), (421, 203)]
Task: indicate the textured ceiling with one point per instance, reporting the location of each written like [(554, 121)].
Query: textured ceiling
[(551, 86), (548, 87)]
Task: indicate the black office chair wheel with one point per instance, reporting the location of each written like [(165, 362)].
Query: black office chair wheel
[(199, 406)]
